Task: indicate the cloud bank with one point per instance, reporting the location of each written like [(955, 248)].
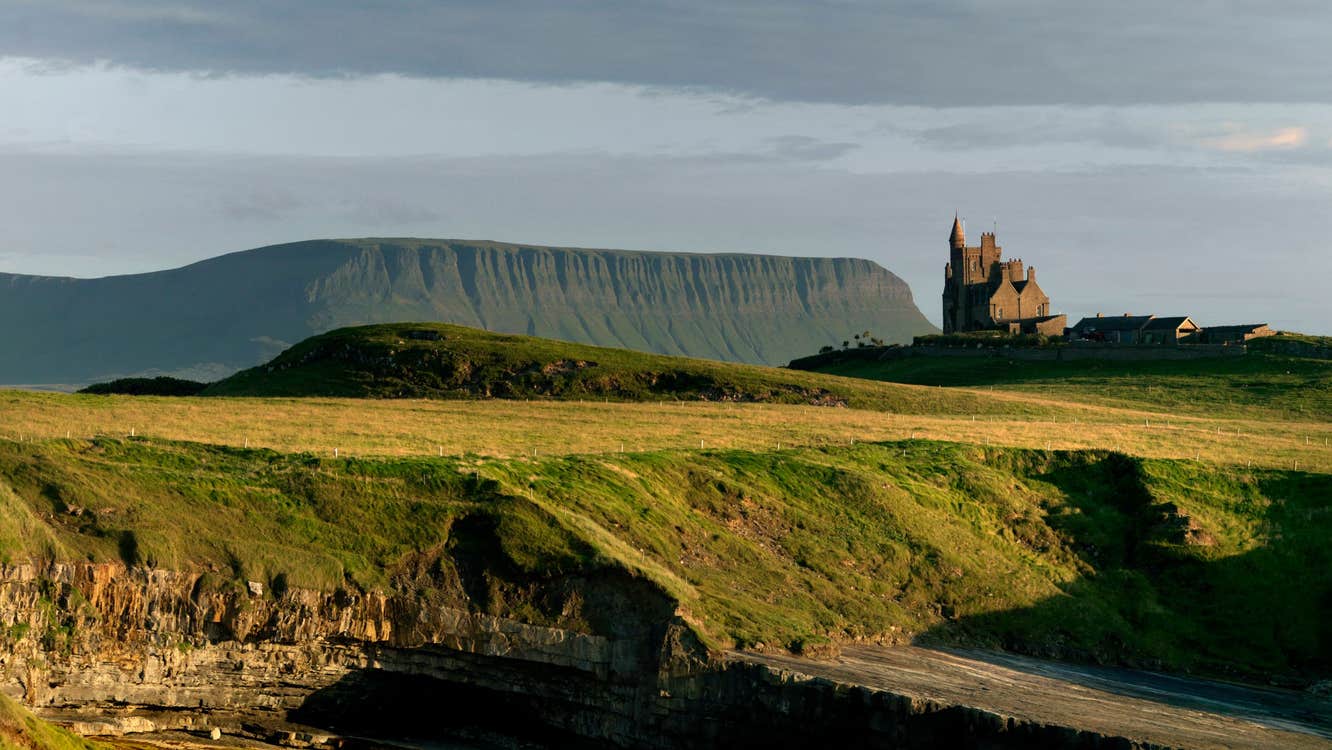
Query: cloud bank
[(915, 52)]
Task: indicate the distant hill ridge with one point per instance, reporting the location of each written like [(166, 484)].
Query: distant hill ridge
[(217, 316)]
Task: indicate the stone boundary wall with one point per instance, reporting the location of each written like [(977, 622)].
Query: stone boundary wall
[(1114, 352), (1067, 353)]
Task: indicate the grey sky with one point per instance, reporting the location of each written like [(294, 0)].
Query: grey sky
[(847, 51), (1144, 158)]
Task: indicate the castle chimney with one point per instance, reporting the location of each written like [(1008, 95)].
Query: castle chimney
[(1031, 273)]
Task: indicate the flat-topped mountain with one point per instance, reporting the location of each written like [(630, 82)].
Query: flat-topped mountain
[(217, 316)]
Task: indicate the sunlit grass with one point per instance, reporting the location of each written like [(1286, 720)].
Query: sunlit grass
[(20, 730), (498, 428), (1252, 386)]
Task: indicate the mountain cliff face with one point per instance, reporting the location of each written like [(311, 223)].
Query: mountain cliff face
[(217, 316)]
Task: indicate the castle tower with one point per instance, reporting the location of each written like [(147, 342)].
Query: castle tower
[(958, 273)]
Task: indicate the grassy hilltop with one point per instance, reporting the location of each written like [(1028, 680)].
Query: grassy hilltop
[(440, 361)]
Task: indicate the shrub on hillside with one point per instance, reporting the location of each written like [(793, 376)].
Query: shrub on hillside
[(159, 386), (988, 339)]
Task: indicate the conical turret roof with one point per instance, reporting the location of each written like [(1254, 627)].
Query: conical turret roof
[(956, 237)]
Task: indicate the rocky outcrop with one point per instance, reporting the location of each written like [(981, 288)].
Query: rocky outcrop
[(130, 649), (111, 637)]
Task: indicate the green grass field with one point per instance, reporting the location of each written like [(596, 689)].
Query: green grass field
[(512, 428), (1257, 386), (1110, 514)]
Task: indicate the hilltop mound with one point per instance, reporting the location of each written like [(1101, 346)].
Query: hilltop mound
[(435, 360), (212, 318)]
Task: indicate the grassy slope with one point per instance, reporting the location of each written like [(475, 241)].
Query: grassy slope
[(1253, 385), (20, 730), (384, 361), (1073, 554)]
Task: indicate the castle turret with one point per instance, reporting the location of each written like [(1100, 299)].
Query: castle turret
[(957, 238)]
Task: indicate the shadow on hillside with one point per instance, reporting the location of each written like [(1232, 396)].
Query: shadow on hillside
[(1157, 595)]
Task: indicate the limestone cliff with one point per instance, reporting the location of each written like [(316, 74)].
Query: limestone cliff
[(212, 318), (111, 649)]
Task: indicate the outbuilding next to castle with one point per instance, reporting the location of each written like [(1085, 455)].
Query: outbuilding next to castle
[(983, 292)]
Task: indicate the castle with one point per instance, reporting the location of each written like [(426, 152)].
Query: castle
[(982, 292)]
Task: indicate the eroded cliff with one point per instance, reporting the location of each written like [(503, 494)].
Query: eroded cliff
[(109, 650)]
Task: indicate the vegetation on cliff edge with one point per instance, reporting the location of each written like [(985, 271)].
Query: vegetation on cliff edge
[(1089, 555), (20, 730)]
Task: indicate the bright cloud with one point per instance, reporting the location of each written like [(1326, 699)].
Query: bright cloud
[(1243, 141)]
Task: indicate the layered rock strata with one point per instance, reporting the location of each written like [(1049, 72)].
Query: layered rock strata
[(141, 649)]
